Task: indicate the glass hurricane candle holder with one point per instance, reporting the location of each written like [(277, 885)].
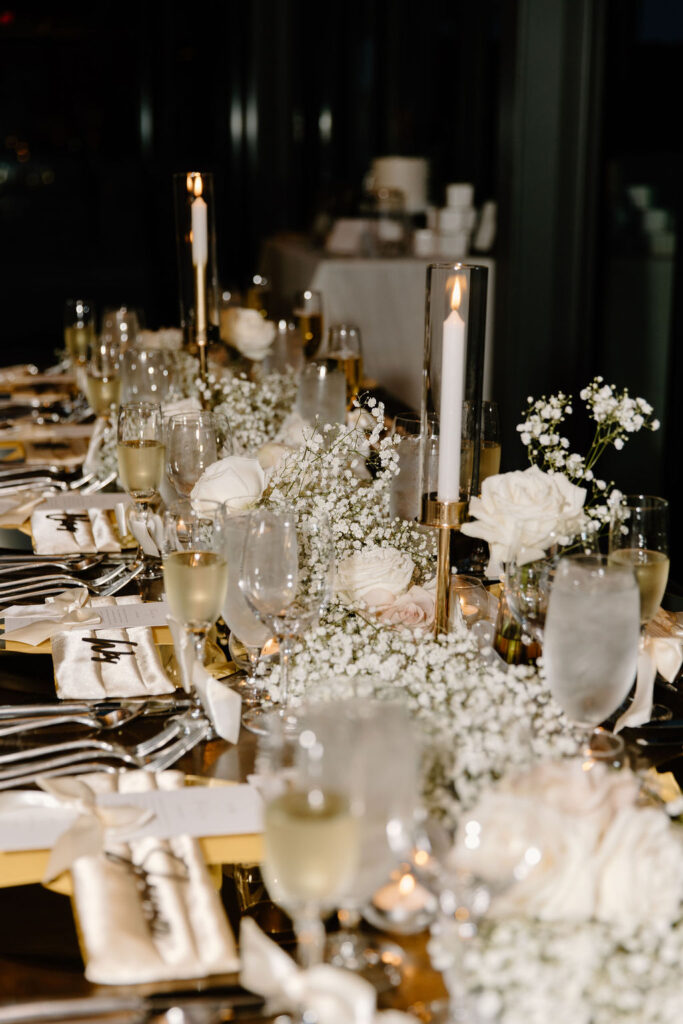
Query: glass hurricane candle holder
[(453, 375), (197, 274)]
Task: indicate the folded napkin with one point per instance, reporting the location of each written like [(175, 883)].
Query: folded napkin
[(146, 908), (222, 704), (113, 663), (16, 506), (330, 994), (63, 532), (564, 844), (65, 611), (661, 651)]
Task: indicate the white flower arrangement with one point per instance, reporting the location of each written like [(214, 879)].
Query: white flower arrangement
[(616, 416), (478, 720)]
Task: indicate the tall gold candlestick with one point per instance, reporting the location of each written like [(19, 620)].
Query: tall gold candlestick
[(445, 516)]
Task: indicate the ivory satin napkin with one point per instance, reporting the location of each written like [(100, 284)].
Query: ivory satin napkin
[(661, 651), (61, 532), (331, 994), (16, 506), (146, 908), (108, 663)]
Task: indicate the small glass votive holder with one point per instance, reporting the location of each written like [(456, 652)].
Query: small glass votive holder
[(322, 394), (469, 601), (405, 495)]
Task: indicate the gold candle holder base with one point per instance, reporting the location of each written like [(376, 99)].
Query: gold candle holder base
[(445, 516)]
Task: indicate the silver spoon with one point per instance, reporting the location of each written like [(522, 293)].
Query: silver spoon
[(95, 719)]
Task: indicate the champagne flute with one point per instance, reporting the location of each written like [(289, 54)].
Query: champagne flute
[(345, 350), (103, 382), (638, 538), (286, 578), (308, 313), (140, 451), (195, 569), (311, 834), (590, 646), (79, 329), (238, 615), (194, 441)]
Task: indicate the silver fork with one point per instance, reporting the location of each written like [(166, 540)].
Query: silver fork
[(17, 587), (172, 729), (87, 760), (47, 590)]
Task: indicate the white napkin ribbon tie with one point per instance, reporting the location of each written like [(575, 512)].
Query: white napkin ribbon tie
[(72, 613)]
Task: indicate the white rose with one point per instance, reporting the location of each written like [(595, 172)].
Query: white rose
[(251, 335), (415, 608), (580, 844), (376, 576), (523, 512), (271, 454), (235, 477)]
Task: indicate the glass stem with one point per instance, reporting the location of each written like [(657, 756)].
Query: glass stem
[(285, 654), (199, 642), (310, 937)]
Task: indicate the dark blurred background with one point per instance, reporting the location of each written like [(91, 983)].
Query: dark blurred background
[(563, 111)]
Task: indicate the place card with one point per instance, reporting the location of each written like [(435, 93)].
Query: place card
[(197, 811), (76, 502), (114, 616)]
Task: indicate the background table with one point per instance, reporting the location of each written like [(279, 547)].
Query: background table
[(384, 297)]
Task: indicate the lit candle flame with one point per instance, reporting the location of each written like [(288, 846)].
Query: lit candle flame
[(406, 885), (456, 294), (198, 185)]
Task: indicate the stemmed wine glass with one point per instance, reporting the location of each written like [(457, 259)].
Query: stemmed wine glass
[(103, 381), (385, 795), (79, 329), (311, 840), (286, 578), (590, 646), (194, 441), (638, 538), (195, 568), (146, 374), (140, 451), (239, 616)]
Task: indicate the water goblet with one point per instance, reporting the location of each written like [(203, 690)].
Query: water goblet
[(141, 457), (194, 441), (121, 326), (195, 569), (591, 642), (308, 313), (238, 614), (286, 578), (638, 538), (146, 375), (79, 329)]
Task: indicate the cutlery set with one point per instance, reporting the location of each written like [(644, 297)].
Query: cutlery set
[(178, 736)]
